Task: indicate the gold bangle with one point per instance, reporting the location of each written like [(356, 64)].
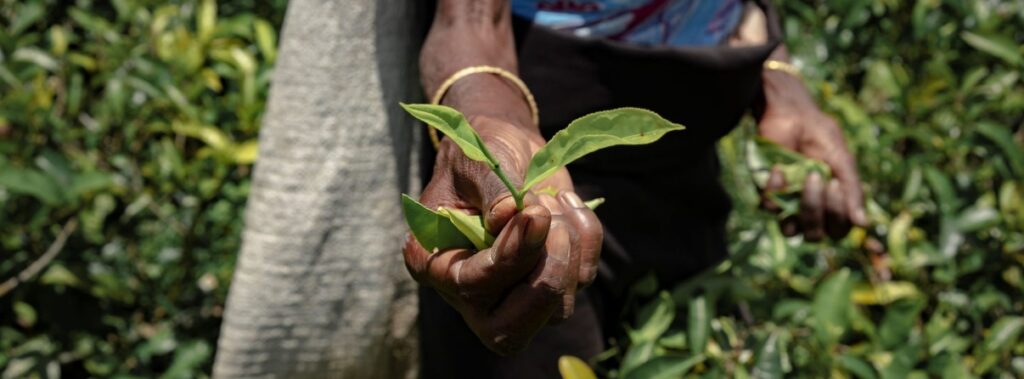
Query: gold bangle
[(786, 67), (478, 70)]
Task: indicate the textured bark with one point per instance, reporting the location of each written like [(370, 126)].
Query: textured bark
[(320, 289)]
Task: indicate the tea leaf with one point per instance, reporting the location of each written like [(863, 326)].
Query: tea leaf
[(666, 367), (594, 203), (587, 134), (654, 319), (699, 324), (471, 226), (454, 125), (999, 46), (831, 306), (432, 230), (574, 368)]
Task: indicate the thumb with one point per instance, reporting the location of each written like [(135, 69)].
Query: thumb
[(501, 208)]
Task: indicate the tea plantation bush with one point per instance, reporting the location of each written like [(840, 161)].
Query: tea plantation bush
[(131, 125), (129, 128)]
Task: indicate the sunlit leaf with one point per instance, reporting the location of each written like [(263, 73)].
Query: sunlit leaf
[(623, 126), (432, 230)]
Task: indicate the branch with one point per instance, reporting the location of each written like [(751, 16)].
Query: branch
[(43, 261)]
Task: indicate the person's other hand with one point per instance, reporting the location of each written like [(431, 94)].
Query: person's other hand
[(793, 120), (540, 257)]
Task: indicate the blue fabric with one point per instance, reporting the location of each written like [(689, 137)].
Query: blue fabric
[(642, 22)]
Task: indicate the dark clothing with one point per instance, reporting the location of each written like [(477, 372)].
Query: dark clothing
[(665, 210)]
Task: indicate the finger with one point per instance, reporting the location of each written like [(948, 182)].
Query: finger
[(812, 210), (837, 220), (844, 168), (570, 280), (776, 183), (502, 209), (435, 270), (487, 275), (529, 305), (591, 236)]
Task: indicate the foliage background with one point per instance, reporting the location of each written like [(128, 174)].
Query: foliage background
[(130, 126)]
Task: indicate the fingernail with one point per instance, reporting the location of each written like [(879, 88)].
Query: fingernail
[(532, 232), (573, 200), (859, 217)]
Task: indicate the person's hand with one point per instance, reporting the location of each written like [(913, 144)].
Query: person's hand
[(793, 120), (540, 257)]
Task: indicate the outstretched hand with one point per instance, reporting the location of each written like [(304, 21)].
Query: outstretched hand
[(793, 120), (542, 255)]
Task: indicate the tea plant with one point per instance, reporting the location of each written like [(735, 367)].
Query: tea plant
[(446, 228)]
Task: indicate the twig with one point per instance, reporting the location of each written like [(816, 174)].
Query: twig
[(43, 261)]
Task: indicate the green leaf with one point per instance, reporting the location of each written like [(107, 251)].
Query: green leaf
[(245, 152), (25, 314), (573, 368), (1004, 333), (266, 39), (187, 359), (454, 125), (638, 354), (698, 324), (594, 203), (623, 126), (1001, 136), (206, 19), (769, 359), (37, 57), (831, 306), (666, 367), (857, 366), (31, 182), (432, 230), (654, 318), (997, 45), (471, 226), (209, 134)]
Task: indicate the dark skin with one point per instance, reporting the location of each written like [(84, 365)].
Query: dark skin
[(548, 251)]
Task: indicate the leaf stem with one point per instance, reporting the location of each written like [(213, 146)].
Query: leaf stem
[(516, 194)]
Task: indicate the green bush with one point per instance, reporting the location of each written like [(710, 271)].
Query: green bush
[(131, 124), (930, 98)]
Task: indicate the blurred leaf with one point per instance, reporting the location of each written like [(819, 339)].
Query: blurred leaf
[(831, 306), (245, 152), (857, 366), (699, 324), (883, 293), (1004, 333), (206, 19), (666, 367), (769, 359), (187, 358), (571, 367), (654, 318), (28, 13), (1001, 136), (266, 39), (999, 46), (25, 314), (58, 274), (31, 182), (37, 57)]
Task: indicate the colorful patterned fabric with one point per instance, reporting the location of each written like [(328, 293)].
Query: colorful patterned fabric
[(642, 22)]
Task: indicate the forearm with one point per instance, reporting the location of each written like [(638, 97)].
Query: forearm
[(470, 33)]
